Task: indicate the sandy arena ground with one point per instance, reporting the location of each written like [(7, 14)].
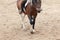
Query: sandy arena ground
[(47, 22)]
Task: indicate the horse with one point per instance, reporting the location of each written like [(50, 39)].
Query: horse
[(31, 10)]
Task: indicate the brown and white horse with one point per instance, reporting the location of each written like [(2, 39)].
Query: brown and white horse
[(32, 9)]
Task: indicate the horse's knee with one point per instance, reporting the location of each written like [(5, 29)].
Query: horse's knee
[(32, 22), (33, 31)]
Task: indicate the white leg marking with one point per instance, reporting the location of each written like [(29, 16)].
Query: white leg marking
[(32, 30), (22, 20)]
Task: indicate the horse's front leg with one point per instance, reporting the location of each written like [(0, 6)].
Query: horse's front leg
[(22, 15), (33, 25), (32, 22)]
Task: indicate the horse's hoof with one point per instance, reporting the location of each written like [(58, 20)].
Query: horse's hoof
[(23, 28), (33, 31)]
